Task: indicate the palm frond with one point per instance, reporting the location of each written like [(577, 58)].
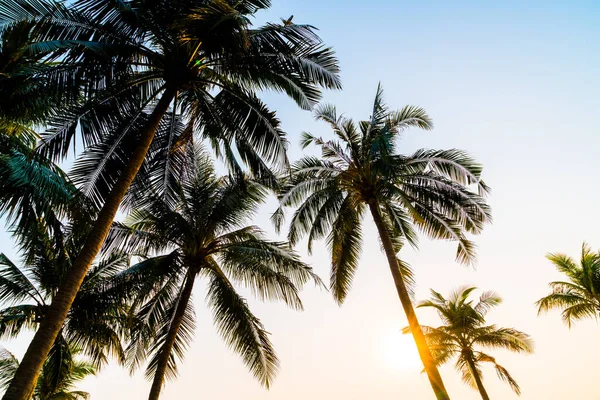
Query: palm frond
[(345, 242), (16, 318), (270, 269), (15, 286), (8, 367), (504, 375), (183, 338), (242, 331)]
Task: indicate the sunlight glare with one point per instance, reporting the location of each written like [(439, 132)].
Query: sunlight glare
[(400, 352)]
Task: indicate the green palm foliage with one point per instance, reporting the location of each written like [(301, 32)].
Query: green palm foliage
[(94, 323), (200, 231), (464, 333), (128, 69), (361, 170), (31, 186), (579, 296), (25, 99), (58, 378), (32, 189)]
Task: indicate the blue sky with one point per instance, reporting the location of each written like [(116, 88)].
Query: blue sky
[(516, 84)]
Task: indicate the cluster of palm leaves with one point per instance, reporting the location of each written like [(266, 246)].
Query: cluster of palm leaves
[(579, 297), (143, 85), (464, 332), (146, 95)]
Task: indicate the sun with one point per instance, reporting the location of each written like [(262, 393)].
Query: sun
[(399, 351)]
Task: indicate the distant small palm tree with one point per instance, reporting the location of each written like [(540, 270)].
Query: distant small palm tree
[(464, 332), (579, 297), (58, 377)]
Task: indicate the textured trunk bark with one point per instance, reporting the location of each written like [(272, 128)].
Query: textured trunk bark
[(431, 369), (477, 378), (27, 374), (165, 351)]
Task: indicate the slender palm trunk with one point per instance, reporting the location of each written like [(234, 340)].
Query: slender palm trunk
[(435, 379), (477, 378), (165, 351), (27, 374)]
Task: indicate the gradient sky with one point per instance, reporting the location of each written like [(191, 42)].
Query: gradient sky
[(516, 84)]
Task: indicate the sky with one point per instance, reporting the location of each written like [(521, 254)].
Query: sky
[(514, 83)]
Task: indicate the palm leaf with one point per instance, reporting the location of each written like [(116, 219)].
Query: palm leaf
[(242, 331)]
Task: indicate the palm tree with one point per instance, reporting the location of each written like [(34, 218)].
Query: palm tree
[(579, 297), (363, 171), (200, 232), (95, 322), (132, 62), (57, 379), (464, 331)]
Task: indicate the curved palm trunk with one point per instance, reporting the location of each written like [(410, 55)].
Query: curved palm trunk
[(27, 374), (431, 369), (477, 378), (165, 351)]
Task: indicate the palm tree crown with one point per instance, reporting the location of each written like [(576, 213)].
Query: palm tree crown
[(202, 57), (464, 332), (200, 231), (579, 297), (427, 189)]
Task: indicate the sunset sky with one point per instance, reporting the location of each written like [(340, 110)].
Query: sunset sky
[(514, 83)]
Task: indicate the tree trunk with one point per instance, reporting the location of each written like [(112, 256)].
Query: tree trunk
[(476, 376), (27, 374), (431, 369), (165, 350)]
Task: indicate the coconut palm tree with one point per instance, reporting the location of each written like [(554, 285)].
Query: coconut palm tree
[(201, 232), (579, 296), (360, 172), (57, 379), (137, 65), (464, 332)]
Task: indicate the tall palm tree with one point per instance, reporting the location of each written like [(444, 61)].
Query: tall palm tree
[(579, 296), (464, 332), (361, 171), (57, 379), (201, 233), (132, 62)]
